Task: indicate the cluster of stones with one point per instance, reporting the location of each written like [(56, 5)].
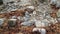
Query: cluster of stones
[(41, 15)]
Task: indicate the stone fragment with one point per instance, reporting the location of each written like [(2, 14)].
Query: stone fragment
[(53, 20), (58, 13), (58, 4), (28, 23), (36, 29), (45, 22), (58, 19), (25, 2), (14, 17), (13, 9), (53, 2), (38, 24), (1, 21), (42, 23), (20, 18), (53, 15), (6, 1), (31, 7), (12, 22), (41, 30)]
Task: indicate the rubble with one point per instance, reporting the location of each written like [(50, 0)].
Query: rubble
[(27, 16)]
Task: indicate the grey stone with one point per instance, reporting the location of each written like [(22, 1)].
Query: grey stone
[(1, 21), (58, 13)]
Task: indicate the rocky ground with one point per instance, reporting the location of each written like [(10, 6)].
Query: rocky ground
[(30, 17)]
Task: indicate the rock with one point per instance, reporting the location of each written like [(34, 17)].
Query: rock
[(12, 22), (1, 21), (58, 19), (14, 17), (31, 7), (58, 4), (42, 23), (34, 12), (36, 29), (41, 30), (19, 33), (53, 20), (27, 23), (58, 13), (25, 2), (53, 2), (53, 15), (27, 16), (42, 1), (13, 9), (6, 1), (35, 2), (38, 23), (20, 18), (45, 23)]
